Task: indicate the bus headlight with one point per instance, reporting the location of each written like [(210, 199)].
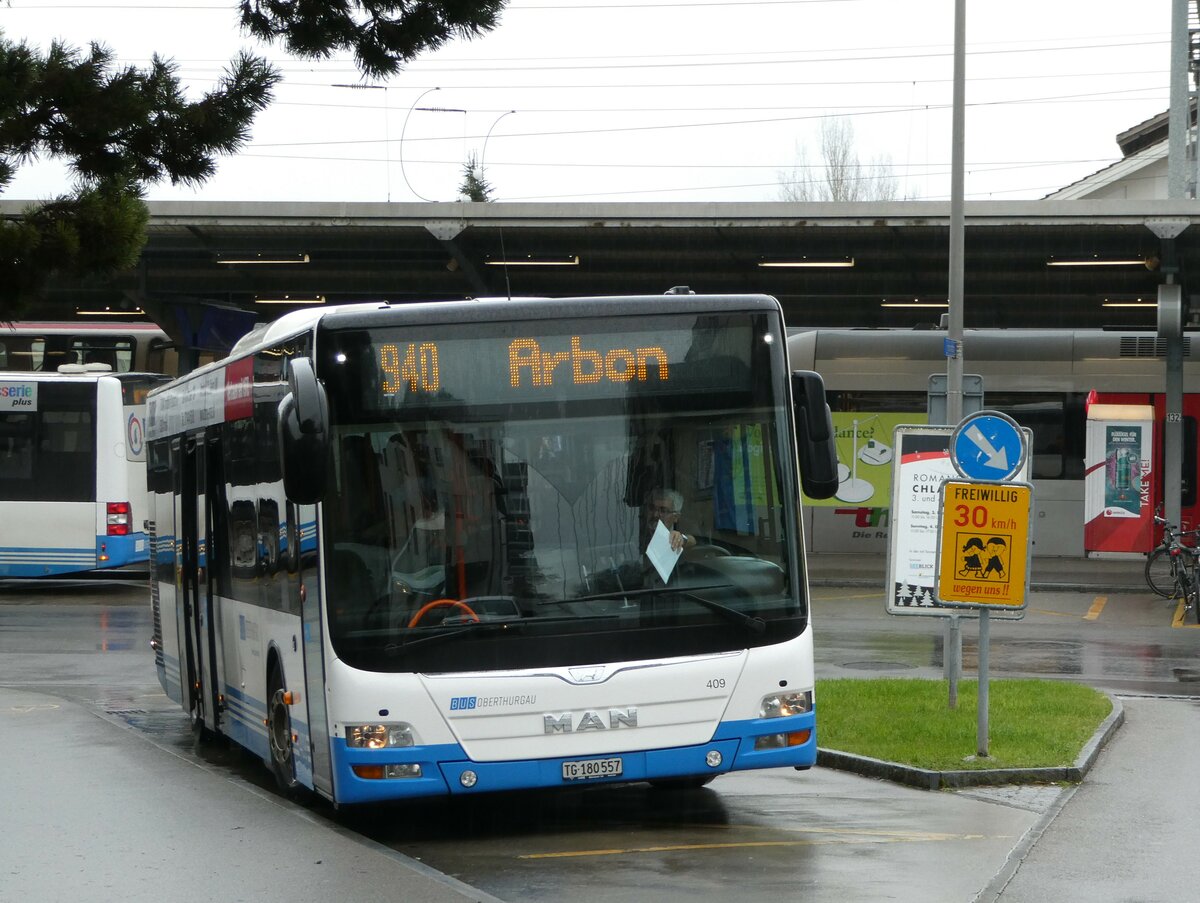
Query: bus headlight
[(780, 705), (379, 736)]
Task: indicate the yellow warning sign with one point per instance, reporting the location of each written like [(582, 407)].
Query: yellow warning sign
[(984, 543)]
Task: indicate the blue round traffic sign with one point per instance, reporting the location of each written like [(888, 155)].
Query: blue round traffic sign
[(988, 445)]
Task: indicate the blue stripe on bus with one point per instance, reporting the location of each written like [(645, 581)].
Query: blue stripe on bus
[(243, 719), (245, 722), (122, 550), (442, 765), (25, 561)]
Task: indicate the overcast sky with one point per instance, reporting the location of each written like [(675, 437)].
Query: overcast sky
[(662, 101)]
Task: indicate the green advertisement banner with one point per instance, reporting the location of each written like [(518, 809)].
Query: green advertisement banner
[(864, 451)]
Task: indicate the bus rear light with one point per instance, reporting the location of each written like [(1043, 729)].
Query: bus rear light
[(119, 517)]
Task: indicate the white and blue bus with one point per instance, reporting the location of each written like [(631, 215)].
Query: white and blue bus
[(42, 346), (463, 547), (73, 471)]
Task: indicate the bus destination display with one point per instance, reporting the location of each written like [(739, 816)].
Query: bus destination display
[(572, 364), (416, 366)]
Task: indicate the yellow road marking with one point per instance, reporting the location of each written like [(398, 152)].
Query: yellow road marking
[(856, 836), (1180, 619), (1055, 614), (1097, 607)]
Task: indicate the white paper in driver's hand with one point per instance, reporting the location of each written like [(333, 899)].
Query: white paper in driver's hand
[(660, 553)]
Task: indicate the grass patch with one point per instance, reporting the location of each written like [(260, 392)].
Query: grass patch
[(1032, 723)]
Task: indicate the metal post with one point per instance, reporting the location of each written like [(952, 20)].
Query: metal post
[(1169, 296), (952, 656), (1177, 117), (954, 363), (981, 724)]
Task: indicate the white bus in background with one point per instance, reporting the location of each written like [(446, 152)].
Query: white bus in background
[(403, 550), (73, 471), (127, 347)]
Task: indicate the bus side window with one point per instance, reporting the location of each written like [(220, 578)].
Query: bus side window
[(16, 451), (160, 357)]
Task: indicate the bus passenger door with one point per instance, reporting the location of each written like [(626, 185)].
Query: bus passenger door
[(213, 539), (197, 617), (302, 525), (183, 455)]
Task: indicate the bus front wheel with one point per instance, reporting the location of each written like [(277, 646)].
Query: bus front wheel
[(279, 731)]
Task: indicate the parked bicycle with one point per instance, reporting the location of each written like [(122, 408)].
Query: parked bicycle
[(1173, 568)]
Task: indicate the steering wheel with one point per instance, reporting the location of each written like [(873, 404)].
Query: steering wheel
[(443, 603), (708, 551)]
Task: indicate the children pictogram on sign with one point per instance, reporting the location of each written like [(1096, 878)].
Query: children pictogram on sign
[(983, 557), (971, 565)]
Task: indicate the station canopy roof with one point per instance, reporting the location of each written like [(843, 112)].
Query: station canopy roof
[(1027, 263)]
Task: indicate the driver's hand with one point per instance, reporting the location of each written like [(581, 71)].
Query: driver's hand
[(680, 541)]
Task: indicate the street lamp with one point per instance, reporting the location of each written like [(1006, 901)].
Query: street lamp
[(483, 153), (404, 129)]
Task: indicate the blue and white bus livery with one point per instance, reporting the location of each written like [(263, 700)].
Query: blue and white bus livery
[(466, 547)]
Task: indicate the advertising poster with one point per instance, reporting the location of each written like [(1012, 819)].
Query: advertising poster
[(864, 452), (922, 465), (1118, 510), (1123, 468)]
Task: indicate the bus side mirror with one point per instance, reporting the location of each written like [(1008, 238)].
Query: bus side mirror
[(304, 434), (814, 435)]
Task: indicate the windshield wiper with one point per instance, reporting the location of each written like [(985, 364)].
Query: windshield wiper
[(450, 633), (751, 622), (439, 634)]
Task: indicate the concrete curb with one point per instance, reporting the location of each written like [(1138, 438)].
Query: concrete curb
[(941, 780)]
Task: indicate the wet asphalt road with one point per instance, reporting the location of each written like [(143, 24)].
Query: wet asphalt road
[(818, 835)]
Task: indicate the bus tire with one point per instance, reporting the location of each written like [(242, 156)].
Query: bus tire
[(279, 732)]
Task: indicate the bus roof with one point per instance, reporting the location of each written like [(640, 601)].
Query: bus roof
[(300, 322)]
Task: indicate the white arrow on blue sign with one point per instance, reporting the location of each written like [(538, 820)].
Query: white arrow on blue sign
[(988, 445)]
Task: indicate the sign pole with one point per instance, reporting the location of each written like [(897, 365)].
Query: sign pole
[(986, 515), (953, 656), (981, 725), (952, 638)]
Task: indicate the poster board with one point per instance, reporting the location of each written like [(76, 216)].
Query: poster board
[(921, 464)]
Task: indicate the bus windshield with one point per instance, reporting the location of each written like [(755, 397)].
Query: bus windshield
[(513, 491)]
